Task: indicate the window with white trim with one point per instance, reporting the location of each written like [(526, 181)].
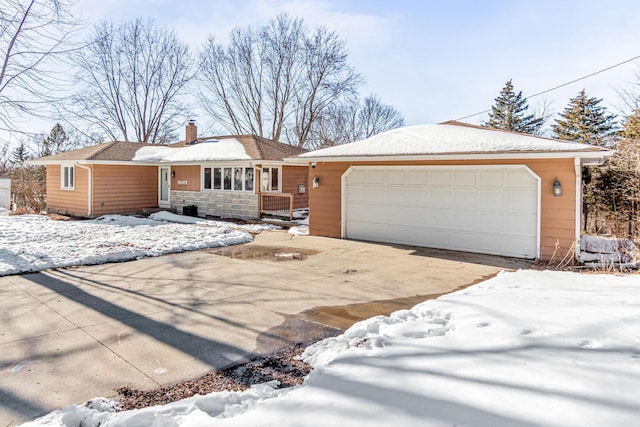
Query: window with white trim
[(228, 178), (270, 179), (67, 180)]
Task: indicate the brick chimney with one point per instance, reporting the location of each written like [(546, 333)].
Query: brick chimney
[(192, 132)]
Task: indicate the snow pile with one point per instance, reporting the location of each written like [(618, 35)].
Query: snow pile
[(607, 250), (198, 409), (183, 219), (289, 255), (31, 243), (210, 150), (522, 349), (446, 139), (4, 211), (301, 230)]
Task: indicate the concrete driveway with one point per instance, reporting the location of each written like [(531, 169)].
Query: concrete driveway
[(72, 334)]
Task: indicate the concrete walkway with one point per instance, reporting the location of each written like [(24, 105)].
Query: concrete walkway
[(72, 334)]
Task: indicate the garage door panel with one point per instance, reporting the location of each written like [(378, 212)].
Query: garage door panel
[(439, 198), (363, 194), (465, 179), (519, 180), (488, 200), (520, 224), (478, 209), (396, 178), (491, 179), (460, 220), (440, 178), (403, 196), (492, 224), (417, 177), (464, 199), (520, 201)]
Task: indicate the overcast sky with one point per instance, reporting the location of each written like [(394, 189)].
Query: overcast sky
[(436, 60)]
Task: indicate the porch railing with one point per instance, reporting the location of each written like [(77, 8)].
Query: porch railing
[(278, 204)]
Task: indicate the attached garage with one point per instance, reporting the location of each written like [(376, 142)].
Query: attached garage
[(484, 209), (453, 186)]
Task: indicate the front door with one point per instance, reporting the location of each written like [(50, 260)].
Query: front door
[(165, 185)]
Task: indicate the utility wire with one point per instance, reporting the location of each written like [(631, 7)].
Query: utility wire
[(562, 85)]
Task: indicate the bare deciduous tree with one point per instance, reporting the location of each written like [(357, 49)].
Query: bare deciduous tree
[(34, 36), (133, 77), (352, 121), (276, 80), (375, 117)]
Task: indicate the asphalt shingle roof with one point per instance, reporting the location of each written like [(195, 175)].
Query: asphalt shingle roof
[(257, 148)]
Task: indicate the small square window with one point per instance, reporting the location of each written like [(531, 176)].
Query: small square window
[(270, 179)]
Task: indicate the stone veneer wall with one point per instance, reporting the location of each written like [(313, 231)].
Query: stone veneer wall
[(225, 204)]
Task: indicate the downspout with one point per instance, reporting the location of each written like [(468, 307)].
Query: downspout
[(89, 188), (578, 171)]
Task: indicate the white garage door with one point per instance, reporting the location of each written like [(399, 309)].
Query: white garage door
[(484, 209)]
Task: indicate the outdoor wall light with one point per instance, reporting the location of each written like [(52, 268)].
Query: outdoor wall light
[(316, 181), (313, 165), (173, 174), (557, 188)]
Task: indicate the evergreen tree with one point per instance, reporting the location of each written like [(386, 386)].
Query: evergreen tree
[(20, 155), (510, 113), (56, 142), (585, 120), (631, 126)]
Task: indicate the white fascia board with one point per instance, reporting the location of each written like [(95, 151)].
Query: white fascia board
[(89, 162), (595, 155), (132, 163)]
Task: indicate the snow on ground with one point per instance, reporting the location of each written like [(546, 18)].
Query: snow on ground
[(34, 242), (4, 211), (183, 219), (528, 348)]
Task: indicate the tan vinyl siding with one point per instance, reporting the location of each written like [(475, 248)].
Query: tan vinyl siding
[(292, 177), (191, 174), (123, 188), (557, 222), (67, 202)]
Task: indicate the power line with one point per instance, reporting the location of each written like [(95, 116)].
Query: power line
[(562, 85)]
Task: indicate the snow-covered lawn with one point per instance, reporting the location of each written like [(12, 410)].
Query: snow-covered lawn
[(35, 242), (522, 349)]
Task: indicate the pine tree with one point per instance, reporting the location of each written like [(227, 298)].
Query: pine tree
[(585, 120), (510, 113), (20, 155), (631, 126), (56, 142)]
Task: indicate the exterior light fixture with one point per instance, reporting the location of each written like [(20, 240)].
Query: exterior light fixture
[(316, 181), (557, 188), (173, 174)]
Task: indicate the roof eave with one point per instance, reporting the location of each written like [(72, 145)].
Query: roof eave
[(598, 155)]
